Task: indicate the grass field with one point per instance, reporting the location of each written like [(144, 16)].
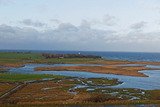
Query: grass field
[(26, 77), (13, 57), (9, 57)]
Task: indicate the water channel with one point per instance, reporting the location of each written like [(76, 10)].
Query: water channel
[(145, 83)]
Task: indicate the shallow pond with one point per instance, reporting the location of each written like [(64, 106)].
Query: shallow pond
[(146, 83)]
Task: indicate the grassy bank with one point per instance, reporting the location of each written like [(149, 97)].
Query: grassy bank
[(26, 77)]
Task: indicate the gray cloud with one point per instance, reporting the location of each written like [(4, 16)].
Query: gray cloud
[(139, 25), (66, 27), (109, 20), (85, 24), (69, 37), (29, 22), (15, 34), (65, 36)]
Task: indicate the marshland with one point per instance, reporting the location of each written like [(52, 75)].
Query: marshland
[(31, 79)]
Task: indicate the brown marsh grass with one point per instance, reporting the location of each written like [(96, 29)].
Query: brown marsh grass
[(110, 69)]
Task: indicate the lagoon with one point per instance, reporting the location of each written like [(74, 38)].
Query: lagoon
[(145, 83)]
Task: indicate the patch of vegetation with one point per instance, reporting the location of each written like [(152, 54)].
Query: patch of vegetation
[(2, 71), (70, 81), (102, 81), (123, 93), (25, 77), (71, 60), (66, 87), (6, 87), (18, 57), (99, 98), (154, 94), (13, 57), (42, 92)]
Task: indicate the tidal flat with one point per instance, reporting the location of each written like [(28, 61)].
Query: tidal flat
[(29, 79)]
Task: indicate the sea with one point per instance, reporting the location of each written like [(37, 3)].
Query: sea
[(130, 56)]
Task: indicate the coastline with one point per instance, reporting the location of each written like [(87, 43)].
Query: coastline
[(108, 66)]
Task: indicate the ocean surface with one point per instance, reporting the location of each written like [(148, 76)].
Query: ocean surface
[(131, 56)]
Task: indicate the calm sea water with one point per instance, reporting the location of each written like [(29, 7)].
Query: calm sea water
[(131, 56)]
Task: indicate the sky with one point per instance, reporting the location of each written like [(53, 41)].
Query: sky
[(81, 25)]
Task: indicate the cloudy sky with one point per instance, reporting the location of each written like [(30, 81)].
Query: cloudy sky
[(89, 25)]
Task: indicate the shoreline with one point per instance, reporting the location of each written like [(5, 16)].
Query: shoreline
[(118, 67)]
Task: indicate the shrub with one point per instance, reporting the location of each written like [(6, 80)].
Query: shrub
[(99, 98)]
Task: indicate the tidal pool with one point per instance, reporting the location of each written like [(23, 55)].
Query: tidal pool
[(145, 83)]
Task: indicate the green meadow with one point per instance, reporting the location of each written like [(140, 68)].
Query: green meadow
[(13, 57), (7, 77)]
